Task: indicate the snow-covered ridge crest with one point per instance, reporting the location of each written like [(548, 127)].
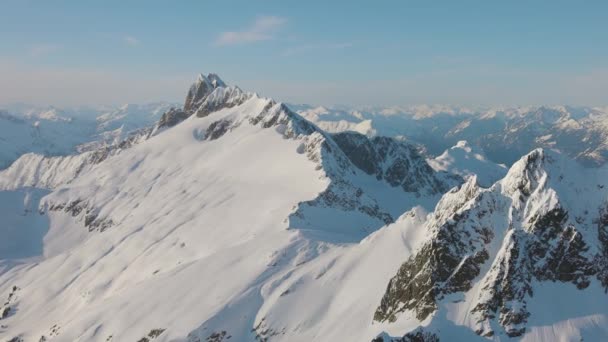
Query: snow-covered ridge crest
[(281, 231), (505, 134), (52, 131), (245, 193), (466, 160), (35, 170), (47, 172), (345, 159), (489, 249), (397, 177), (208, 94)]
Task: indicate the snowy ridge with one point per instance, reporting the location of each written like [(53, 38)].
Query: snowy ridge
[(505, 134), (43, 172), (235, 218), (60, 132), (38, 171), (490, 251), (226, 209), (466, 161)]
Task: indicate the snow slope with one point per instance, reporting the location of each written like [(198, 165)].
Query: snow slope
[(235, 219), (194, 232), (465, 160), (157, 194), (525, 258)]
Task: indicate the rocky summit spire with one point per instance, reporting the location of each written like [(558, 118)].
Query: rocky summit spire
[(208, 94), (203, 86), (216, 81)]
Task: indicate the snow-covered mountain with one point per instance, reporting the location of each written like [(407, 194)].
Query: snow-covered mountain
[(526, 257), (505, 134), (52, 131), (235, 187), (467, 161), (234, 218)]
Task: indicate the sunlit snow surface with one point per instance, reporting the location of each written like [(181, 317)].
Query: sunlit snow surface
[(201, 244)]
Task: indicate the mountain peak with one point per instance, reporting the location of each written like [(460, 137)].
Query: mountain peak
[(203, 86), (215, 80), (466, 160), (201, 78), (538, 160), (211, 79)]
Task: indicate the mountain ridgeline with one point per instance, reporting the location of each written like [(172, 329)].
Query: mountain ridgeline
[(499, 243), (235, 218), (346, 158)]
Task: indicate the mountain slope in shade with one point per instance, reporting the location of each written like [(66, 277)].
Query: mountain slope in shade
[(22, 228), (195, 231), (465, 160)]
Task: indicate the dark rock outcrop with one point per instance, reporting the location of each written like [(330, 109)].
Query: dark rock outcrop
[(172, 117), (396, 162), (541, 239), (446, 263), (203, 86)]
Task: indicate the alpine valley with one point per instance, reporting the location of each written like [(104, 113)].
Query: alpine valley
[(234, 217)]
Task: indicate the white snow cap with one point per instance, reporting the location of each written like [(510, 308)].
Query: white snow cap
[(211, 79)]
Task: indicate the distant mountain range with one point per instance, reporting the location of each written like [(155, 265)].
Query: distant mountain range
[(505, 134), (54, 131)]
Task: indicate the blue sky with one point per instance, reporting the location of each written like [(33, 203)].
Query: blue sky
[(321, 52)]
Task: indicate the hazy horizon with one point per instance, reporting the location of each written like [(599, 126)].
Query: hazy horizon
[(69, 53)]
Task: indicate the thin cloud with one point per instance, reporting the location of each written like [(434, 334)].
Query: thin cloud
[(263, 28), (296, 50), (43, 49), (130, 40)]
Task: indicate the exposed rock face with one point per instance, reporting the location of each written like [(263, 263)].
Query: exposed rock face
[(447, 262), (290, 124), (222, 97), (9, 305), (207, 95), (203, 86), (172, 117), (396, 162), (218, 128), (89, 216), (417, 335), (520, 231)]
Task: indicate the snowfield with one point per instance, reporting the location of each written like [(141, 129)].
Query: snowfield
[(236, 219)]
